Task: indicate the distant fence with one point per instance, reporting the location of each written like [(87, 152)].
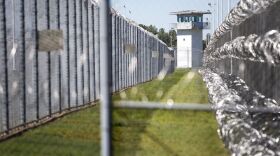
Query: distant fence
[(250, 48), (49, 58)]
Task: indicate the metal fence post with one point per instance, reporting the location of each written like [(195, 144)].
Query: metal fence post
[(105, 75)]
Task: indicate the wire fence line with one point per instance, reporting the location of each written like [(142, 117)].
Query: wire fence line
[(164, 106), (242, 70), (250, 50), (50, 61), (194, 107)]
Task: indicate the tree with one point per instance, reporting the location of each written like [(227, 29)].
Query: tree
[(143, 26), (166, 37), (153, 29), (162, 35), (173, 38)]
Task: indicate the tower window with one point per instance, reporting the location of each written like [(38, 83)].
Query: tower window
[(182, 19), (187, 19)]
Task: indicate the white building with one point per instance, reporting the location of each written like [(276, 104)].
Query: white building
[(189, 38)]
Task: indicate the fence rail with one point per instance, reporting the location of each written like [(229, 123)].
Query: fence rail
[(38, 78)]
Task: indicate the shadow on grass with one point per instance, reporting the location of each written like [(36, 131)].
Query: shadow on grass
[(167, 149), (79, 133), (129, 125), (75, 134)]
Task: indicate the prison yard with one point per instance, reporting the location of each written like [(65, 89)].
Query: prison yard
[(77, 76), (138, 132)]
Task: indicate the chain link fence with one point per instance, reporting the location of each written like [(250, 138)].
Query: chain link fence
[(50, 59), (250, 50), (242, 70)]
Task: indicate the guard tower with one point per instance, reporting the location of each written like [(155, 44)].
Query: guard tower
[(189, 28)]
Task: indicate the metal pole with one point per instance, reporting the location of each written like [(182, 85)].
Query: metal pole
[(171, 40), (213, 18), (231, 61), (212, 6), (218, 13), (105, 77), (222, 12), (229, 6)]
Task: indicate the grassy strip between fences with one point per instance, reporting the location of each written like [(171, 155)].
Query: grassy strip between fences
[(135, 132)]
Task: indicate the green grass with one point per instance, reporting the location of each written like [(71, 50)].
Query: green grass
[(135, 132)]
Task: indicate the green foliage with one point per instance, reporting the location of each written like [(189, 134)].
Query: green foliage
[(153, 29), (169, 38), (162, 35), (173, 38)]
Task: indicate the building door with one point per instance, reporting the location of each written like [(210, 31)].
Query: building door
[(184, 54)]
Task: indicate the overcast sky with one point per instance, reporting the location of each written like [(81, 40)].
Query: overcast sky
[(156, 12)]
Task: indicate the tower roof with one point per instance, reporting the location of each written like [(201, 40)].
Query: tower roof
[(190, 12)]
